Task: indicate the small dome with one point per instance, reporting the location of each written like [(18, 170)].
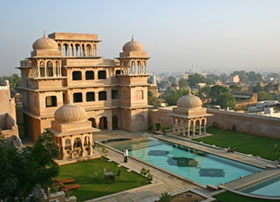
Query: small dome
[(45, 43), (70, 113), (133, 46), (189, 101)]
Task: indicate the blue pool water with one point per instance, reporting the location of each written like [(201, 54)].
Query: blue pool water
[(268, 188), (196, 165)]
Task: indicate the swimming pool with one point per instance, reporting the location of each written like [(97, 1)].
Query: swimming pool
[(269, 187), (201, 167)]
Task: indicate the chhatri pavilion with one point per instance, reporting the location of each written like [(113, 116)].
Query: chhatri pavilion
[(72, 132), (189, 117)]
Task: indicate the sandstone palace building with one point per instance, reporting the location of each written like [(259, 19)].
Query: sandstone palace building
[(66, 68)]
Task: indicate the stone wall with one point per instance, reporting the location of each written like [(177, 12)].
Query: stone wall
[(161, 116), (254, 124)]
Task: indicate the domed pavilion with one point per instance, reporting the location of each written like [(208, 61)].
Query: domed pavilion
[(72, 132), (189, 116)]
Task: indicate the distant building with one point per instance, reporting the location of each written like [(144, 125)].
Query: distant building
[(153, 85), (8, 124), (234, 79)]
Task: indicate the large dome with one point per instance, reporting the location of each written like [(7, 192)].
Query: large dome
[(70, 113), (189, 101), (45, 43), (133, 46)]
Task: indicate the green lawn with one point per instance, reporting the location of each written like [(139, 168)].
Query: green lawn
[(231, 197), (83, 174), (242, 142)]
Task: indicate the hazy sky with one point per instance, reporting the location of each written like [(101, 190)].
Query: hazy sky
[(221, 35)]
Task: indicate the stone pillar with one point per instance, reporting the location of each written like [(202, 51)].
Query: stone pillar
[(45, 69), (174, 125), (189, 128), (184, 127), (83, 145), (54, 69), (38, 70), (200, 126), (63, 153), (205, 126), (194, 122)]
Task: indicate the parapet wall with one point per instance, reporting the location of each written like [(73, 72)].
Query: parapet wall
[(253, 124), (161, 116)]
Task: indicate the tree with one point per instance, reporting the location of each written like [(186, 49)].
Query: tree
[(235, 88), (254, 77), (243, 76), (262, 95), (14, 81), (171, 79), (204, 92), (152, 100), (211, 78), (216, 90), (36, 168), (173, 95), (196, 78), (183, 83), (225, 100)]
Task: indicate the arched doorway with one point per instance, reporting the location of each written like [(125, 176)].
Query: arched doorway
[(140, 124), (87, 145), (68, 149), (115, 122), (103, 123), (77, 148), (197, 127), (93, 123)]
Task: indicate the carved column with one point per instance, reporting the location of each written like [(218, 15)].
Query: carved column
[(184, 127), (189, 128), (200, 126), (194, 122)]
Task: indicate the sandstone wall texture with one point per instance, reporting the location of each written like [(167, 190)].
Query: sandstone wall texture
[(253, 124)]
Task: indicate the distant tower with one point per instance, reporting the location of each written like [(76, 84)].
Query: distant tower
[(134, 86)]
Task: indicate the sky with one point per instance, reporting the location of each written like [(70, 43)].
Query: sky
[(217, 35)]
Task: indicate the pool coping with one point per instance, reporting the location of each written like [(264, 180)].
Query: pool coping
[(249, 195)]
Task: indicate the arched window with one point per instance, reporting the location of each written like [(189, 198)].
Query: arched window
[(118, 72), (90, 96), (115, 94), (139, 95), (78, 50), (76, 75), (102, 95), (51, 101), (102, 74), (103, 123), (89, 75), (42, 69), (50, 69), (77, 97), (88, 50)]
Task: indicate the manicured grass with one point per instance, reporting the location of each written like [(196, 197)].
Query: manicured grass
[(84, 174), (242, 142), (231, 197)]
